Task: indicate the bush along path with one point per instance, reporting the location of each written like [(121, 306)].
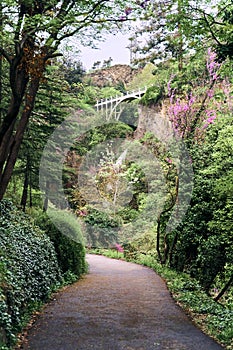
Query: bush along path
[(118, 305), (32, 266)]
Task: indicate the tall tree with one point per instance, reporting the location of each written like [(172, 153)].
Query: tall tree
[(31, 37), (50, 110), (160, 34), (173, 27), (216, 25)]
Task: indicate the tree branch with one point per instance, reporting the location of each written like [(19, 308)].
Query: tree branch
[(224, 289), (5, 54), (89, 17), (211, 30)]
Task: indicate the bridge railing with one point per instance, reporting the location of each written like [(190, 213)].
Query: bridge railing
[(110, 100)]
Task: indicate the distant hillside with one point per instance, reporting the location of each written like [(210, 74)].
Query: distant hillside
[(111, 76)]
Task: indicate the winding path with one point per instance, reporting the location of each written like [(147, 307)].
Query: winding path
[(117, 306)]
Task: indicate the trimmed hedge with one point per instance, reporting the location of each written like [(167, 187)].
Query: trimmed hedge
[(29, 270), (67, 239)]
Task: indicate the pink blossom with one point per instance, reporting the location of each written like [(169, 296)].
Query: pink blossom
[(210, 93), (128, 10), (119, 248), (211, 117), (122, 18), (212, 65), (82, 213)]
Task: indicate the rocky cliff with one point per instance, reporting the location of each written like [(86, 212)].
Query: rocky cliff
[(154, 119), (111, 76)]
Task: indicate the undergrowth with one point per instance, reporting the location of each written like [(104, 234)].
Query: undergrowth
[(32, 267), (213, 318)]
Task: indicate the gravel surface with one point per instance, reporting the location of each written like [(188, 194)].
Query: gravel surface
[(117, 306)]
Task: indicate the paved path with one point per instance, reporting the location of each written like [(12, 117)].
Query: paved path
[(117, 306)]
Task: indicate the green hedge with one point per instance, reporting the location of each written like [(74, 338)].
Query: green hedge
[(67, 239), (29, 270)]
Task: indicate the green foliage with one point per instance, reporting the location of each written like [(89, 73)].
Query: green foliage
[(73, 73), (110, 253), (212, 317), (49, 111), (28, 268), (100, 219), (107, 92), (144, 78), (223, 27), (67, 240), (101, 228), (153, 95), (99, 134), (211, 259), (128, 214)]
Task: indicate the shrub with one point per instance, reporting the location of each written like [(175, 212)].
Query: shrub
[(28, 269), (153, 95), (67, 241), (101, 228)]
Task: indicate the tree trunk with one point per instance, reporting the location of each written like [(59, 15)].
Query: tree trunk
[(30, 188), (18, 137), (46, 200), (172, 248), (225, 288), (158, 239), (180, 43), (24, 197), (1, 114), (8, 123), (1, 58), (19, 79), (174, 200)]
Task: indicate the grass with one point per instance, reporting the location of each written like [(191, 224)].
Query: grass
[(110, 253)]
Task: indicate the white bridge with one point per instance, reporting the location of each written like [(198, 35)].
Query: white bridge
[(112, 108)]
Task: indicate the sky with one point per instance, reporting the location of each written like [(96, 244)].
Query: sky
[(114, 46)]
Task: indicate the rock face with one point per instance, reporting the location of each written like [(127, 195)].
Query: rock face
[(154, 119), (111, 76)]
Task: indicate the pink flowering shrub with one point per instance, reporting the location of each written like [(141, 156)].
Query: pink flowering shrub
[(191, 114), (119, 248), (181, 114)]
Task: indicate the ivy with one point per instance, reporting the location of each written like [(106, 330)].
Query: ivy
[(28, 268)]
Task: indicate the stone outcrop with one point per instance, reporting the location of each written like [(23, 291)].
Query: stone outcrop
[(154, 119), (111, 76)]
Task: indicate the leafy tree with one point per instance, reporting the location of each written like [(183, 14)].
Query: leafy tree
[(107, 63), (96, 65), (215, 24), (161, 34), (221, 170), (204, 246), (52, 102), (32, 32), (73, 72), (172, 28)]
